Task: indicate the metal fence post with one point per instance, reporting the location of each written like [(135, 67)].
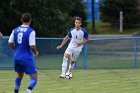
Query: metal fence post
[(121, 21), (85, 56), (135, 53)]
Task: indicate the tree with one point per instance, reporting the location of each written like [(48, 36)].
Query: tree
[(110, 12), (51, 18)]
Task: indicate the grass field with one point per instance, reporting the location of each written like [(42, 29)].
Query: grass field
[(83, 81)]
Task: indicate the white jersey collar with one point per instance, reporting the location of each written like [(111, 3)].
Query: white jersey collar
[(24, 25)]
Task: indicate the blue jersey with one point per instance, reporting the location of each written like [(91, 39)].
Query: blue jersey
[(22, 52)]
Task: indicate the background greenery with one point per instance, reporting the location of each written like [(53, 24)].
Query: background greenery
[(110, 10), (51, 18), (105, 28)]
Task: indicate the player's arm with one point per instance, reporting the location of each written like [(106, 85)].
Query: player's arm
[(63, 42), (11, 45), (34, 49), (1, 35), (11, 40), (32, 43)]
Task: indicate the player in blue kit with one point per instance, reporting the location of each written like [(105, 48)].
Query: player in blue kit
[(78, 36), (22, 41)]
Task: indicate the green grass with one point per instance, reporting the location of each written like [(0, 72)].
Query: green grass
[(83, 81), (104, 28)]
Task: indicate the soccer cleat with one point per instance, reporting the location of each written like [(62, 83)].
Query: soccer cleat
[(28, 91), (62, 76)]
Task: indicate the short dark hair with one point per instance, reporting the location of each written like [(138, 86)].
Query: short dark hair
[(78, 18), (26, 17)]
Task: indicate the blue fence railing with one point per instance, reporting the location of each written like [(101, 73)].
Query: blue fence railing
[(136, 46), (99, 53)]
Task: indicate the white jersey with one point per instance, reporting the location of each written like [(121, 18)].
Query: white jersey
[(77, 36)]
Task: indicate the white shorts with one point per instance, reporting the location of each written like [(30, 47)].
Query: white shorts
[(73, 53)]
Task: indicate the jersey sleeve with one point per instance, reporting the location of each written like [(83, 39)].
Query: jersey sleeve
[(32, 38), (85, 33), (11, 38), (69, 34)]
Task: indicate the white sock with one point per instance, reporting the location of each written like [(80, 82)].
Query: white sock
[(70, 67), (64, 65)]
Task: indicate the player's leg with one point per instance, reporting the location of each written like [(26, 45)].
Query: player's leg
[(64, 64), (32, 83), (74, 58), (71, 65), (32, 71), (20, 74), (67, 55), (18, 82)]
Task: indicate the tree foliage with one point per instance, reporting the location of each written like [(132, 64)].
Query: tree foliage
[(51, 18), (131, 14)]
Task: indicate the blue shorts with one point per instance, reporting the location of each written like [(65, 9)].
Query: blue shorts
[(25, 68)]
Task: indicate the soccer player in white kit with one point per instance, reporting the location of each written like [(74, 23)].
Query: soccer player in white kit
[(78, 36)]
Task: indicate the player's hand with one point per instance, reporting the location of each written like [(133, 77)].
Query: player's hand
[(1, 35), (59, 47), (36, 54)]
